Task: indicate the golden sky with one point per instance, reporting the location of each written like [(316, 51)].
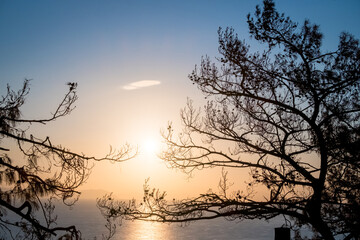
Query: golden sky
[(131, 60)]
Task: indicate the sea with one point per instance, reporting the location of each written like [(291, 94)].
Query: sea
[(88, 219)]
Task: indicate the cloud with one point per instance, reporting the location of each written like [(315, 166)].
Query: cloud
[(141, 84)]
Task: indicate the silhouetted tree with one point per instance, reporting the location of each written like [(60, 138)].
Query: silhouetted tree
[(289, 114), (47, 171)]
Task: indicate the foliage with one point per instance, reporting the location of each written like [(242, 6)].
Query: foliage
[(289, 114), (47, 170)]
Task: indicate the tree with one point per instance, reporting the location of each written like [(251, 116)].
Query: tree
[(48, 171), (289, 114)]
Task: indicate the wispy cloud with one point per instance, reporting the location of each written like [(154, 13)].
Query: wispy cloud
[(141, 84)]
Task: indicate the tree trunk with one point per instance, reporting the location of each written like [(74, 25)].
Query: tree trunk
[(282, 233), (321, 227)]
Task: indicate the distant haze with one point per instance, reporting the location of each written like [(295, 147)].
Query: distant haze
[(93, 193)]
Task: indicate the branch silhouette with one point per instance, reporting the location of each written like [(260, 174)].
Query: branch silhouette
[(50, 171), (289, 115)]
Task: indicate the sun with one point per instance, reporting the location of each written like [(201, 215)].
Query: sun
[(150, 146)]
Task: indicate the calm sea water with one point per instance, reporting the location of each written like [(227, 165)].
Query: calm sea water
[(86, 216), (88, 219)]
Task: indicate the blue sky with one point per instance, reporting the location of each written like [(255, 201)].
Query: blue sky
[(106, 45), (67, 39), (71, 39)]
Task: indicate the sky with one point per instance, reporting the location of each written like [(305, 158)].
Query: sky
[(131, 60)]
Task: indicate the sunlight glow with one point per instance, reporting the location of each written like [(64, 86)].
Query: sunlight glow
[(150, 147), (149, 230)]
